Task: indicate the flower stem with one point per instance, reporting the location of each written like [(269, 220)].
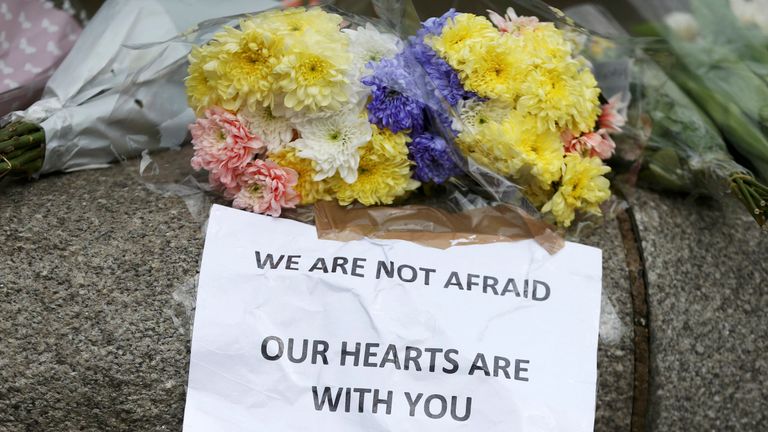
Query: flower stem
[(22, 147), (17, 129), (23, 141), (752, 194), (20, 162)]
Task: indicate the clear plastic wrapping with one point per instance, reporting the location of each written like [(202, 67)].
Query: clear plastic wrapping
[(466, 192), (677, 141), (86, 122)]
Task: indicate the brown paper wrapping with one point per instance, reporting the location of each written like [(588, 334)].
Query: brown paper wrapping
[(434, 227)]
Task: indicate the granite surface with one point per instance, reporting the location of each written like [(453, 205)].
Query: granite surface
[(98, 272), (707, 294), (96, 279), (615, 349), (89, 265)]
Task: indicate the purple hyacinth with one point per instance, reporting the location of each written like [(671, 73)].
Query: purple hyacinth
[(433, 158), (392, 104)]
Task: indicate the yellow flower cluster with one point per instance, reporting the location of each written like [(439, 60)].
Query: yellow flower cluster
[(533, 69), (384, 173), (535, 90), (582, 188), (309, 189), (517, 147), (297, 59)]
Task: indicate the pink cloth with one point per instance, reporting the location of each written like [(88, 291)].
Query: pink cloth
[(34, 38)]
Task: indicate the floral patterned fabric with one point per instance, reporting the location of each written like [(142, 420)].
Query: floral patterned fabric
[(34, 38)]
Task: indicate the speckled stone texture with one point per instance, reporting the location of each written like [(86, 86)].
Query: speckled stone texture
[(88, 266), (93, 334), (615, 350), (708, 293)]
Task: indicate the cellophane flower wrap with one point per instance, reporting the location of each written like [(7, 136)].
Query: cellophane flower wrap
[(299, 105), (283, 118), (518, 102), (695, 77)]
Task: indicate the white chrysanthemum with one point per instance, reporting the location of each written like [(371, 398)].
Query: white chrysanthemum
[(475, 113), (751, 12), (368, 44), (275, 130), (358, 98), (333, 143), (683, 24)]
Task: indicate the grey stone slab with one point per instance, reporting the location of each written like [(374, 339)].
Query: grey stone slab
[(92, 335), (89, 264), (615, 356), (707, 293)]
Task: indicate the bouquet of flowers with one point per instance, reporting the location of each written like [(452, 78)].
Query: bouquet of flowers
[(523, 104), (282, 113), (300, 105), (721, 62)]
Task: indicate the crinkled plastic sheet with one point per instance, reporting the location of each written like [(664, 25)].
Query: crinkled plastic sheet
[(482, 190), (478, 208), (487, 188), (716, 51), (612, 73), (87, 123), (672, 144)]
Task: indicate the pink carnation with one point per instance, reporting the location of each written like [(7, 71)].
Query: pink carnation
[(223, 145), (511, 22), (598, 144), (611, 119), (265, 187)]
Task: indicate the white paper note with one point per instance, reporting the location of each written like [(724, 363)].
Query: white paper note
[(377, 335)]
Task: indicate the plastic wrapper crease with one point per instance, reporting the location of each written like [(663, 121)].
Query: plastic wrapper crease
[(462, 198)]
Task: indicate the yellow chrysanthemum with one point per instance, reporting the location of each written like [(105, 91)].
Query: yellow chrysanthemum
[(582, 188), (516, 147), (384, 173), (459, 34), (296, 21), (540, 153), (488, 146), (544, 44), (201, 81), (386, 145), (563, 96), (313, 75), (494, 69), (474, 113), (537, 193), (246, 64), (308, 188)]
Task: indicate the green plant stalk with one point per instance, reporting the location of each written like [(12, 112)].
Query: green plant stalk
[(753, 195), (685, 152), (17, 129), (665, 170), (22, 160), (22, 149), (21, 142), (738, 129)]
